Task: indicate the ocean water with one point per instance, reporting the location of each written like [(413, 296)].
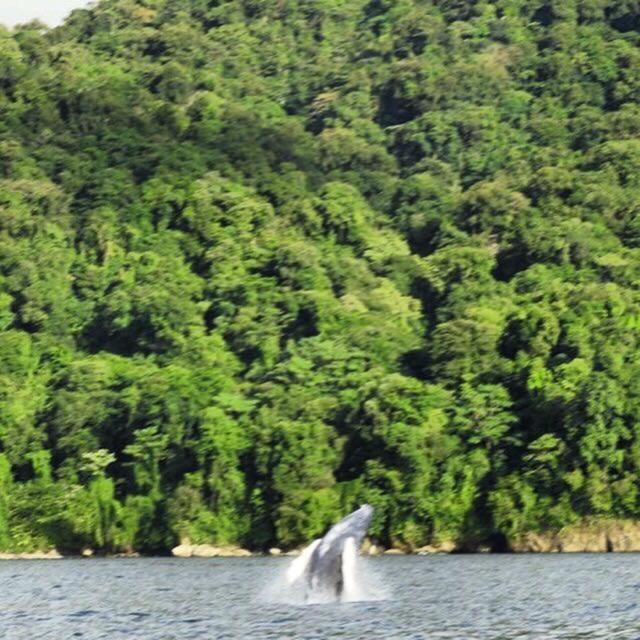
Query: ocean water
[(472, 597)]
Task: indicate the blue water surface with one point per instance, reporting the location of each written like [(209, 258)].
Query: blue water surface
[(465, 597)]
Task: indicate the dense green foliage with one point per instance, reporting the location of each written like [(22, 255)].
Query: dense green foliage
[(264, 260)]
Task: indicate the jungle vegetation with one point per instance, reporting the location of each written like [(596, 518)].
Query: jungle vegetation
[(264, 260)]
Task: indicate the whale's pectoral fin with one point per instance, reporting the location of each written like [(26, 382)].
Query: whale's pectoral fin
[(299, 566), (348, 587)]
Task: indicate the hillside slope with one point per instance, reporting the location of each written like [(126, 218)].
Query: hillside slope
[(264, 260)]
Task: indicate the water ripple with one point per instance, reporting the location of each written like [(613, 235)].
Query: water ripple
[(577, 597)]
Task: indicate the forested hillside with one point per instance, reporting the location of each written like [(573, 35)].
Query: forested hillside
[(264, 260)]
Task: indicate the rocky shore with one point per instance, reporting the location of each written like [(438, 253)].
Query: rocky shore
[(186, 550), (34, 555), (585, 537), (589, 536)]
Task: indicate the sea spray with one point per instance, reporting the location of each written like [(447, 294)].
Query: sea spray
[(298, 567), (329, 569), (286, 583)]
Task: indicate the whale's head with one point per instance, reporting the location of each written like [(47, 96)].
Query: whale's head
[(354, 526), (357, 523), (365, 514)]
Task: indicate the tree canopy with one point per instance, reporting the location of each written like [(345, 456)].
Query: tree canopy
[(262, 261)]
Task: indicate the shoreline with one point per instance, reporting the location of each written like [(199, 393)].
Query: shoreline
[(54, 555), (609, 536)]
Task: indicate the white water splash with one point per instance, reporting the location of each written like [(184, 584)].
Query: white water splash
[(361, 581), (298, 567)]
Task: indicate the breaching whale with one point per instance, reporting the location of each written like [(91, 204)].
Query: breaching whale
[(326, 568)]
